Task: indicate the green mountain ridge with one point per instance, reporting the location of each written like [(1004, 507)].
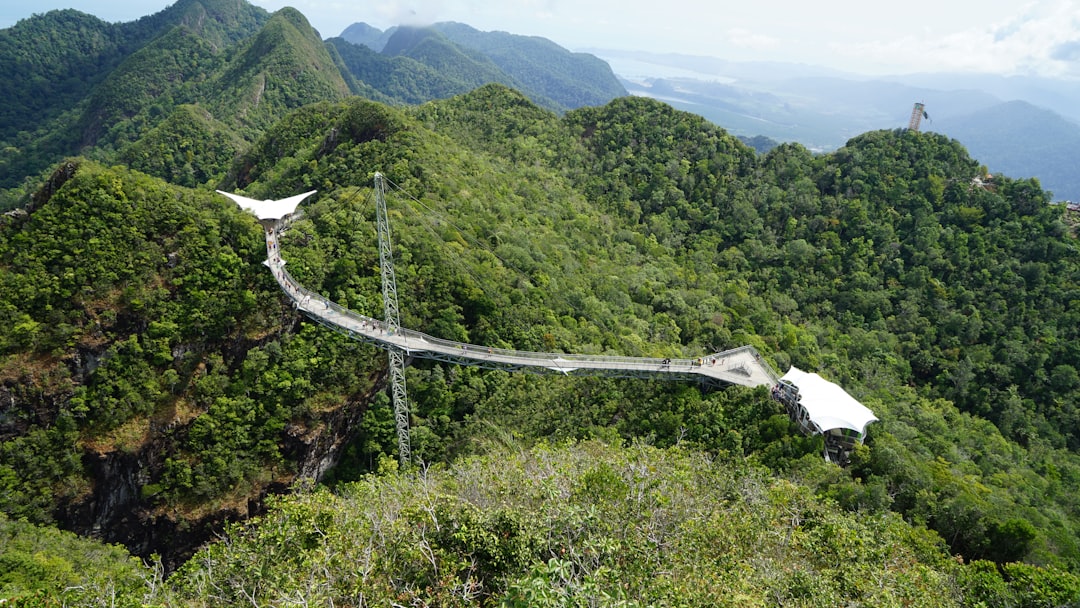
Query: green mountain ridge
[(426, 46), (40, 83), (53, 61), (108, 85), (399, 78), (150, 65), (286, 66), (549, 74), (572, 79)]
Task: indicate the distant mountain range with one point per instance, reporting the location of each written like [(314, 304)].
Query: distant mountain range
[(465, 57), (1023, 127), (202, 79), (1024, 140), (199, 73)]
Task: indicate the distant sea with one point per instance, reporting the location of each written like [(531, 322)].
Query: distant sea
[(637, 70)]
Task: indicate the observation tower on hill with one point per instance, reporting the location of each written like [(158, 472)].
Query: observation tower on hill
[(917, 114)]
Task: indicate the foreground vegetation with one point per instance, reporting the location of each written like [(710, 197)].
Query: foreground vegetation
[(574, 525)]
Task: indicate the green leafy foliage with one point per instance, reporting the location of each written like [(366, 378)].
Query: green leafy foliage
[(52, 61), (131, 305), (46, 567), (588, 522), (189, 148), (547, 526)]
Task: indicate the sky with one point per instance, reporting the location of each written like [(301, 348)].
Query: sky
[(1040, 37)]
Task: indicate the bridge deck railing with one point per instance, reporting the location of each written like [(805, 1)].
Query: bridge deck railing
[(373, 329)]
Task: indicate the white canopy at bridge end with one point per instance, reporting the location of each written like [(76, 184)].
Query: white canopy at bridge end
[(828, 405), (269, 210)]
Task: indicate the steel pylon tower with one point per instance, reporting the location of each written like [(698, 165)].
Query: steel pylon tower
[(393, 325)]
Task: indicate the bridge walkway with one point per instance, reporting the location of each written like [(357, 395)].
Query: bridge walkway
[(742, 366)]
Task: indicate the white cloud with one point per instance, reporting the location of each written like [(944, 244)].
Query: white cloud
[(746, 39), (1001, 36), (1042, 39)]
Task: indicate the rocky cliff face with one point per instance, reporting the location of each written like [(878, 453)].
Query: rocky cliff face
[(118, 509), (108, 493), (154, 382)]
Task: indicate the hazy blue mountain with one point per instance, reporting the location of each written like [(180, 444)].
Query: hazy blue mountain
[(571, 79), (1061, 96), (367, 35), (759, 143), (1021, 140), (549, 74), (816, 117), (817, 107)]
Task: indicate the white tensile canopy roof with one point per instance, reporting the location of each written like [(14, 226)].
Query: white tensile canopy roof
[(269, 210), (829, 406)]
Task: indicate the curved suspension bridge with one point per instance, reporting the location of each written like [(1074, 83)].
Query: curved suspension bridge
[(741, 366)]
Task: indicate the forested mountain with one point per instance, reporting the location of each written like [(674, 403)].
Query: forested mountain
[(155, 384), (573, 80), (113, 93), (217, 73), (549, 74), (400, 78), (366, 35), (162, 374), (1021, 126), (420, 64), (51, 62)]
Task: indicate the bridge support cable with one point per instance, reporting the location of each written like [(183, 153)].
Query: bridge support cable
[(395, 355)]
